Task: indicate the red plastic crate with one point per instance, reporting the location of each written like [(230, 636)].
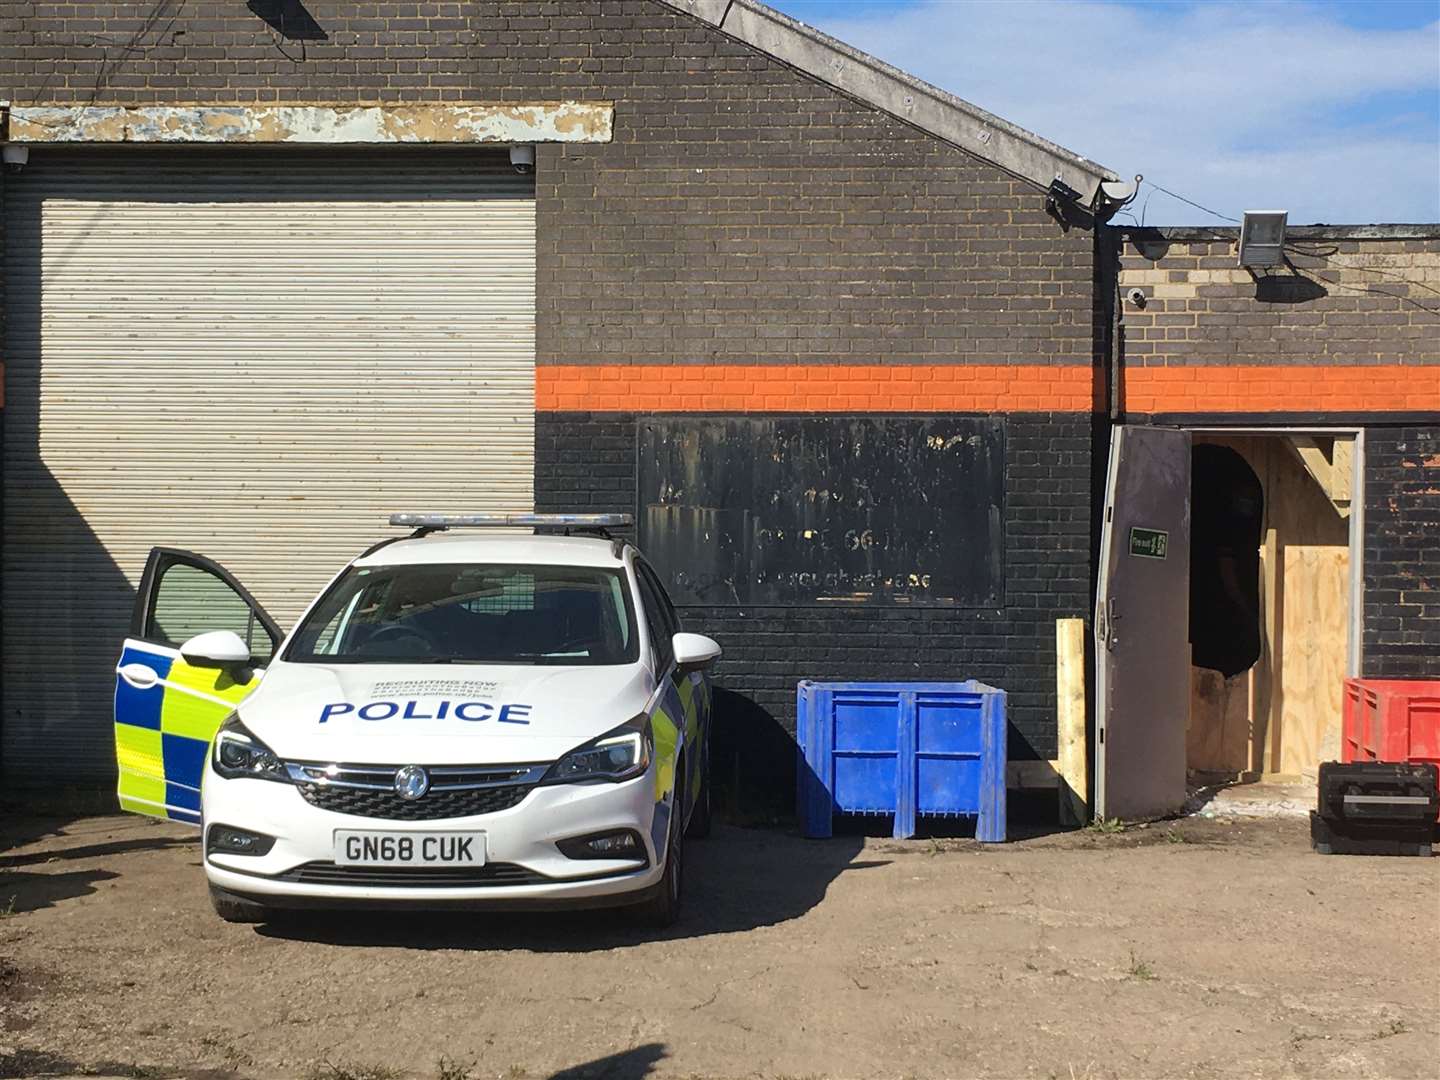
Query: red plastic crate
[(1395, 720)]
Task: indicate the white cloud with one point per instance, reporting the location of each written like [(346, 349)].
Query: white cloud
[(1235, 105)]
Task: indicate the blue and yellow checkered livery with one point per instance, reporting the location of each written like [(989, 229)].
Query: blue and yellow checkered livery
[(163, 730)]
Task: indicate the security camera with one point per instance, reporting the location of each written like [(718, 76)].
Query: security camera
[(522, 159), (1136, 297), (15, 157)]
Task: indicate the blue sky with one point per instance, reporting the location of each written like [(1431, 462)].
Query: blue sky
[(1330, 110)]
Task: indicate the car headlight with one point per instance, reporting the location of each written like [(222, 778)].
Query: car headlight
[(617, 755), (236, 753)]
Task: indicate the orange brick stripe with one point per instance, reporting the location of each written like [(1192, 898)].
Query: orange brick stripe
[(1270, 388), (813, 388)]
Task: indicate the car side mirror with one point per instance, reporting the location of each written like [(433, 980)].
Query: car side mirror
[(694, 652), (216, 648)]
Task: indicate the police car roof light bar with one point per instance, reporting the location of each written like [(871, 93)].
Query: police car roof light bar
[(594, 524), (490, 521)]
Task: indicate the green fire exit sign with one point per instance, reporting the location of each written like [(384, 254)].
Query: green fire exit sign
[(1149, 543)]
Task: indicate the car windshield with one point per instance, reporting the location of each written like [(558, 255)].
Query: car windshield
[(470, 614)]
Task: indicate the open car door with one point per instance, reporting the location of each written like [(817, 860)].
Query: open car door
[(168, 708), (1142, 625)]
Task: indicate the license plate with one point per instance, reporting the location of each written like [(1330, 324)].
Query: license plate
[(409, 848)]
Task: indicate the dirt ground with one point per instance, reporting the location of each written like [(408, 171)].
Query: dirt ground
[(1200, 948)]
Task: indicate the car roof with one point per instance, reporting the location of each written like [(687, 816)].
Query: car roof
[(472, 546)]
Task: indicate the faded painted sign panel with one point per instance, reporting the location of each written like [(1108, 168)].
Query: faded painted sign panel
[(825, 511), (563, 121)]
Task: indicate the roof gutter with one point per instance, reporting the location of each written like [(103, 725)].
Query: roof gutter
[(928, 108)]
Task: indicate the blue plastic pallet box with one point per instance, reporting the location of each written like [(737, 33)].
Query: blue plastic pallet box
[(929, 749)]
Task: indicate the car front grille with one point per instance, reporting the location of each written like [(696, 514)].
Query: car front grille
[(455, 790), (413, 877), (431, 806)]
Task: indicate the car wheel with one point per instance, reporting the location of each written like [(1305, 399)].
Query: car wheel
[(663, 908), (700, 816), (235, 909)]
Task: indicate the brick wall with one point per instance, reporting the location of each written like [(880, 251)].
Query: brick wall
[(587, 460), (753, 387), (1346, 301), (1402, 552), (1341, 330)]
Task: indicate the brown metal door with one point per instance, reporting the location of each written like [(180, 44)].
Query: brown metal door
[(1142, 625)]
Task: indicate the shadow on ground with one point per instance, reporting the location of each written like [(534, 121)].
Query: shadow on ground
[(740, 879), (96, 851), (1030, 814), (634, 1064), (40, 1063), (32, 892)]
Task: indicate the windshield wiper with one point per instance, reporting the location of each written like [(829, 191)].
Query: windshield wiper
[(361, 659)]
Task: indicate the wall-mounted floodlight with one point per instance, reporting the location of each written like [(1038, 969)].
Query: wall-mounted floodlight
[(1262, 238)]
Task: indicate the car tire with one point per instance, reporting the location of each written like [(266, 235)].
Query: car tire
[(700, 821), (662, 909), (236, 909)]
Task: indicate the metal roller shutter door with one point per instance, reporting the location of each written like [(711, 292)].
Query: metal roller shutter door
[(256, 356)]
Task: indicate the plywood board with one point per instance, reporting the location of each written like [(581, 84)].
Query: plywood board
[(1070, 720), (1312, 672), (1218, 736)]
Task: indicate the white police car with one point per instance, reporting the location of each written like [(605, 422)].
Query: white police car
[(479, 719)]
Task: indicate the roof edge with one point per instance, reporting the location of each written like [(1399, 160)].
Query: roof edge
[(1201, 233), (889, 89)]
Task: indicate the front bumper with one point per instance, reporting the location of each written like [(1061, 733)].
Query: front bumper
[(524, 868)]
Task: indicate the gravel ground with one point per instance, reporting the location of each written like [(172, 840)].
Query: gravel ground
[(1200, 948)]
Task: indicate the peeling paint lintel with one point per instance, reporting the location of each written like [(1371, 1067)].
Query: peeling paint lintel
[(524, 122)]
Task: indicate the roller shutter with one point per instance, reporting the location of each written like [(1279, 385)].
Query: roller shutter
[(253, 355)]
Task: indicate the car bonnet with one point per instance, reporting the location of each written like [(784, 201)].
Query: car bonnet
[(451, 714)]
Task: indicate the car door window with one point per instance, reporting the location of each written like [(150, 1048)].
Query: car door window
[(658, 616), (189, 599), (671, 615)]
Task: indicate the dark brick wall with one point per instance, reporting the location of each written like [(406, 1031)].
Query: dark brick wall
[(1402, 552), (743, 211), (588, 460)]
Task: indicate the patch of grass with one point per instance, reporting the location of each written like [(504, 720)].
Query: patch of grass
[(1394, 1027), (1140, 969), (1173, 837), (448, 1068), (7, 909), (330, 1070), (1106, 826)]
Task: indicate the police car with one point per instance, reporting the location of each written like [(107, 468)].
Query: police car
[(459, 718)]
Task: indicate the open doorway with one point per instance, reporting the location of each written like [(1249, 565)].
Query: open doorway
[(1270, 607)]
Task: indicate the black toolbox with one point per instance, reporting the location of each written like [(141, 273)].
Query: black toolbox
[(1375, 808)]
